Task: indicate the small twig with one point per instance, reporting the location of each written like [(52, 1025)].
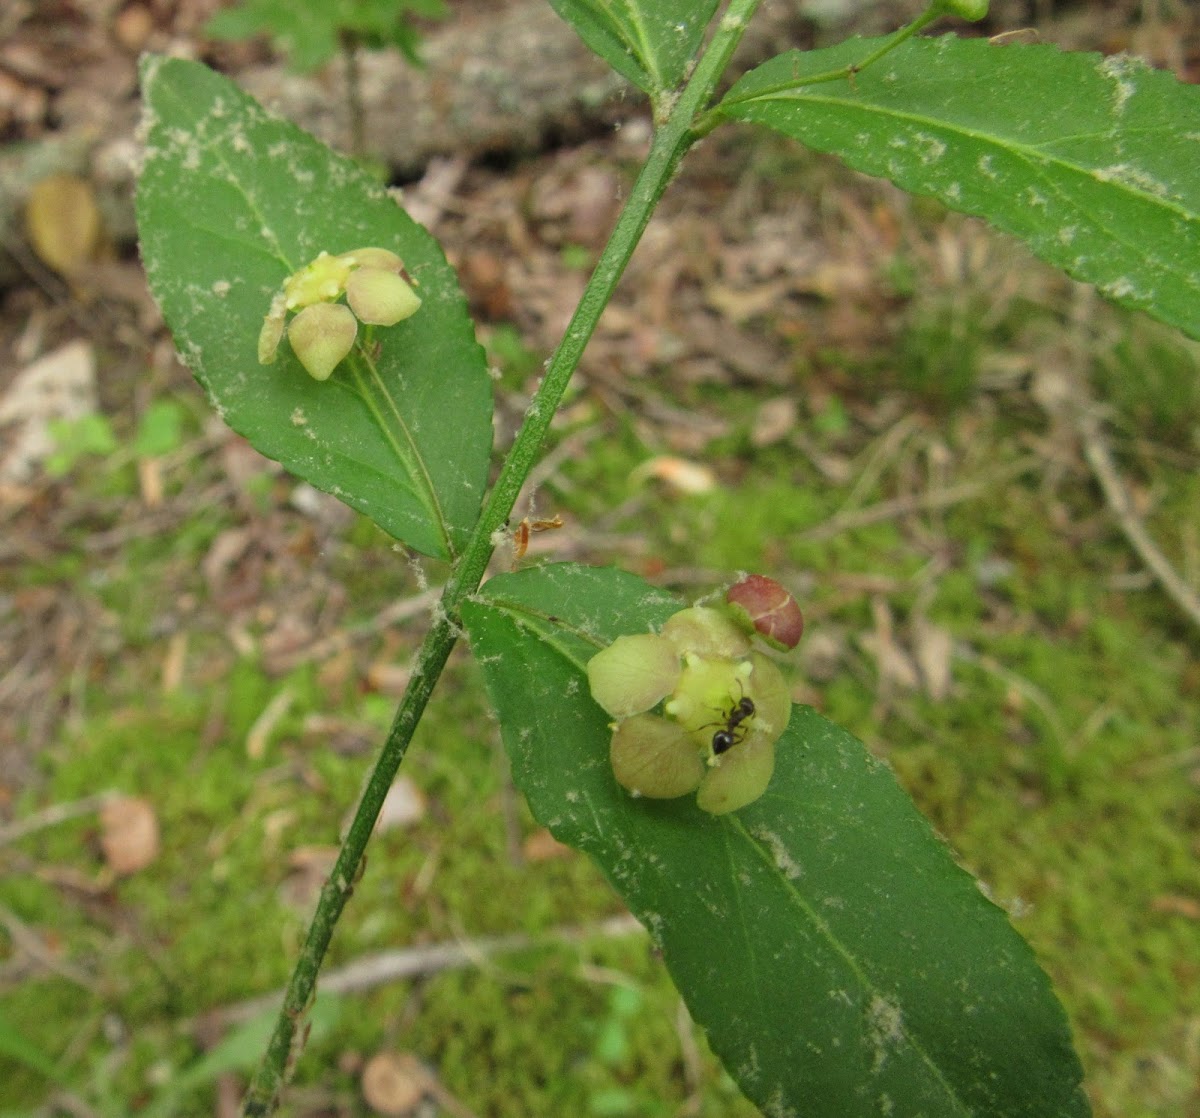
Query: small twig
[(1116, 496), (52, 816), (1081, 411), (389, 966), (918, 502), (1024, 687), (884, 450), (398, 611), (28, 941), (443, 1096)]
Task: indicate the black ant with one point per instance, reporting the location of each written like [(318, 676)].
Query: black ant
[(725, 739)]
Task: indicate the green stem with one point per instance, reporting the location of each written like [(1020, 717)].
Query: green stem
[(354, 101), (671, 140)]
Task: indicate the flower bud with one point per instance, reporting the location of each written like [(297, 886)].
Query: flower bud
[(321, 336), (633, 673), (380, 298), (764, 607), (970, 10), (652, 756)]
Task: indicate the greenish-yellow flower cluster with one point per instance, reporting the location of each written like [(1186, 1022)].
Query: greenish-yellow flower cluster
[(324, 329), (696, 710)]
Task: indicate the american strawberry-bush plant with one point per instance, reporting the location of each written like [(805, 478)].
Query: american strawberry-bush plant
[(838, 959)]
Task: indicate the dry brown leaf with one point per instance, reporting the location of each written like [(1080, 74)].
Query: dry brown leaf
[(63, 223), (133, 27), (226, 551), (741, 305), (933, 648), (393, 1084), (174, 662), (891, 662), (150, 482), (264, 725), (684, 477), (403, 806), (387, 678), (774, 421), (542, 846), (287, 640), (129, 835), (1175, 904), (59, 386), (308, 867)]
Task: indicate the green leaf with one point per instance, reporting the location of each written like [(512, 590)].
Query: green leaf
[(1094, 162), (76, 439), (160, 430), (230, 202), (840, 961), (650, 42), (310, 33), (305, 33)]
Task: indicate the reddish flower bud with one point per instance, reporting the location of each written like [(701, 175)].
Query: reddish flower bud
[(766, 608)]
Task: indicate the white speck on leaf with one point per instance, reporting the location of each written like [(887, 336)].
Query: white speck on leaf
[(932, 149), (885, 1029), (1120, 288), (1118, 69), (1128, 175), (784, 861)]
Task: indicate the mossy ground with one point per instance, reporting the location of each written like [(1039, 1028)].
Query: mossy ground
[(926, 494)]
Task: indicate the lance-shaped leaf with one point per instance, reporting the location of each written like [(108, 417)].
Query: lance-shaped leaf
[(231, 201), (839, 959), (1094, 162), (650, 42)]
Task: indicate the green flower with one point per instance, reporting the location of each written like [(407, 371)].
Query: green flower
[(696, 711), (376, 291)]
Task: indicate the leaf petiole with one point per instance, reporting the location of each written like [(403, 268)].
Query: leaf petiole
[(715, 116)]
